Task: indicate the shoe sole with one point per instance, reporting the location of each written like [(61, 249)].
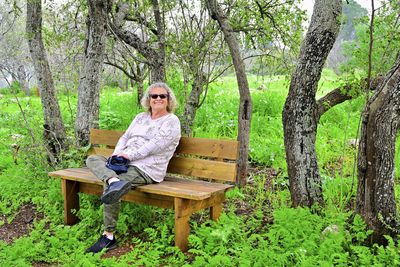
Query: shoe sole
[(112, 247), (107, 249), (113, 196)]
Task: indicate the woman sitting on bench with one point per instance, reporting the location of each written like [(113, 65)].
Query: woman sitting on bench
[(146, 148)]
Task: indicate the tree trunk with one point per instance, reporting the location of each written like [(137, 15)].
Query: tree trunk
[(158, 72), (140, 77), (245, 108), (54, 133), (193, 103), (300, 111), (23, 79), (380, 125), (89, 82)]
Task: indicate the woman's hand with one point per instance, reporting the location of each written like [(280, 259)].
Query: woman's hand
[(123, 155)]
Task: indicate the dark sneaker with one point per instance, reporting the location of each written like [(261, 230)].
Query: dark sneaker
[(115, 191), (102, 243)]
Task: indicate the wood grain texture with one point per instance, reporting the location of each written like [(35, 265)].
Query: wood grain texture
[(203, 168), (173, 187), (182, 227), (70, 191), (104, 137), (214, 148)]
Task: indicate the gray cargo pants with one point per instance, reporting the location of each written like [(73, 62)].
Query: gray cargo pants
[(97, 164)]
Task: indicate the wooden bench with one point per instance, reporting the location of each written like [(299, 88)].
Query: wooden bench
[(202, 158)]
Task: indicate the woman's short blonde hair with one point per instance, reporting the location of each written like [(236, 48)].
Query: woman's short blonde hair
[(145, 101)]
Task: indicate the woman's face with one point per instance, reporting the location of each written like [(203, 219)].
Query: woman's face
[(158, 99)]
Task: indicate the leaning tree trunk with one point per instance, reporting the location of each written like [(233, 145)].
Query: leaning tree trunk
[(300, 111), (192, 104), (380, 125), (245, 108), (89, 82), (54, 132)]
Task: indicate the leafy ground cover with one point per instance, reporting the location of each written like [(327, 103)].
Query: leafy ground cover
[(258, 227)]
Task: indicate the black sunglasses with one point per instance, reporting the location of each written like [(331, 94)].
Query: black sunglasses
[(155, 96)]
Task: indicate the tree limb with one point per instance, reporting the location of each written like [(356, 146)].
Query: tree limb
[(141, 20), (341, 94)]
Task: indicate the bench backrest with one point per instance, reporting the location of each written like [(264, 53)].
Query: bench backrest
[(198, 157)]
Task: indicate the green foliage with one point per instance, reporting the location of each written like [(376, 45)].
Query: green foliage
[(297, 237), (265, 26), (117, 109), (259, 228), (385, 39)]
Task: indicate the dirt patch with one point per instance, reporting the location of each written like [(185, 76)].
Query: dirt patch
[(21, 225), (118, 251), (42, 264), (268, 174)]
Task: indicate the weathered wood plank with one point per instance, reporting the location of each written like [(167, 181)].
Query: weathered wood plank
[(106, 152), (182, 227), (203, 168), (215, 211), (132, 196), (215, 148), (173, 187), (104, 137), (77, 174)]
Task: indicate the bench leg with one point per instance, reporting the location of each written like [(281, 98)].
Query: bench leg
[(215, 211), (182, 227), (217, 206), (70, 191)]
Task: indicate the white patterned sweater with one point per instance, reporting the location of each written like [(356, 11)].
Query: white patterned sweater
[(150, 144)]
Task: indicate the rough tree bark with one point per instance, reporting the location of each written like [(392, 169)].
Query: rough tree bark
[(155, 59), (192, 103), (300, 110), (245, 108), (90, 76), (380, 125), (160, 59), (22, 78), (54, 133)]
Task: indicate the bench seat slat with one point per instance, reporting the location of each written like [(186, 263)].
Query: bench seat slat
[(77, 174), (174, 187), (133, 196)]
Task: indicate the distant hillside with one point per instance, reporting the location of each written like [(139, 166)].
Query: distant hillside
[(351, 12)]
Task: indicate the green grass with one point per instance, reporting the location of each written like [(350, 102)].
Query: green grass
[(268, 233)]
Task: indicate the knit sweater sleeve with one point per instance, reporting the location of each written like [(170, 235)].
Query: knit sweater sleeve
[(121, 144), (169, 134)]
